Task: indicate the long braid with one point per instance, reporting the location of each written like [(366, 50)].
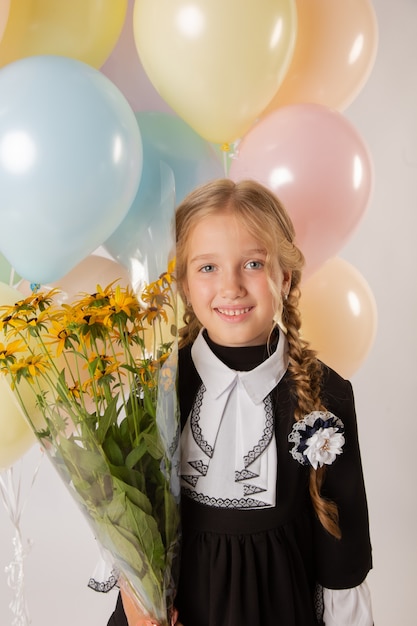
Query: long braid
[(306, 373)]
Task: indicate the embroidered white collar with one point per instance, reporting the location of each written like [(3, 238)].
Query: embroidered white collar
[(228, 443)]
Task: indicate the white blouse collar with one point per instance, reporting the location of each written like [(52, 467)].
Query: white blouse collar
[(232, 410), (258, 382)]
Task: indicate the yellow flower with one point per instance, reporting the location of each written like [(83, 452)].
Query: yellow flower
[(102, 367), (168, 277), (153, 313), (124, 300), (7, 352), (40, 300), (37, 364), (75, 390), (34, 324), (30, 367), (86, 324), (61, 335), (156, 295)]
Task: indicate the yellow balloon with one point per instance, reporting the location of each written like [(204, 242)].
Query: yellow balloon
[(333, 56), (16, 437), (4, 15), (216, 63), (339, 315), (86, 30)]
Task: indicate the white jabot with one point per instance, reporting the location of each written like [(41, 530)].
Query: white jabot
[(228, 448), (344, 607)]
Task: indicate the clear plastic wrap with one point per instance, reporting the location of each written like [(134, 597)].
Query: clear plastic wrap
[(96, 378)]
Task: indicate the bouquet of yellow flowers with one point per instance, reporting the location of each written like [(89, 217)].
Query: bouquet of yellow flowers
[(97, 382)]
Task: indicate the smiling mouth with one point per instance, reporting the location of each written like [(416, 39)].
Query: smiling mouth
[(234, 312)]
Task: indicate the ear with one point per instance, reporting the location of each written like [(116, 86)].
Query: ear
[(286, 280)]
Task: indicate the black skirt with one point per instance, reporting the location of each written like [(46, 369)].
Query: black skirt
[(246, 568)]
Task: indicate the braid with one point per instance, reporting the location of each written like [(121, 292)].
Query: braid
[(306, 373), (188, 333)]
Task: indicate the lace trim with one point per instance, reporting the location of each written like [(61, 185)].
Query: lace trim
[(104, 586), (195, 427), (201, 467), (266, 435), (319, 603), (225, 503)]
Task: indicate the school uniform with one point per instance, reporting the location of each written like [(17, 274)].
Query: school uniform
[(253, 552)]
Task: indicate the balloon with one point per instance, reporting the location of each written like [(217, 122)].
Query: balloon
[(70, 163), (7, 274), (125, 70), (83, 278), (334, 54), (339, 315), (86, 31), (16, 437), (318, 165), (190, 159), (216, 63), (4, 15)]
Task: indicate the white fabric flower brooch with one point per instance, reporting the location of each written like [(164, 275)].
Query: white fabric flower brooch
[(318, 439)]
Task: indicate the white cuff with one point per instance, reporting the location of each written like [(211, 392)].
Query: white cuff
[(344, 607)]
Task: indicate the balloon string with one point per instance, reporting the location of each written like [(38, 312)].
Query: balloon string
[(11, 278), (11, 497), (225, 149)]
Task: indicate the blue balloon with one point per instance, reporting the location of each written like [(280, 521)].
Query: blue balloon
[(70, 163), (175, 161)]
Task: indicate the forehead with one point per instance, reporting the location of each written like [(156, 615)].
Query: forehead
[(213, 228)]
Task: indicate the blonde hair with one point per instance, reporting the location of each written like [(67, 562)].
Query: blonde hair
[(266, 219)]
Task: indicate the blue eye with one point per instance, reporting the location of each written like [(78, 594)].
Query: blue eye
[(207, 268), (254, 265)]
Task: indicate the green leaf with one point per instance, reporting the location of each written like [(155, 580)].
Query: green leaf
[(113, 452), (153, 445), (107, 419), (136, 454), (136, 496)]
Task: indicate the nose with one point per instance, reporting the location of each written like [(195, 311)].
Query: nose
[(232, 286)]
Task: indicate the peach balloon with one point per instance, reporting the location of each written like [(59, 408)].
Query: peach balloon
[(87, 31), (339, 315), (334, 53), (92, 271)]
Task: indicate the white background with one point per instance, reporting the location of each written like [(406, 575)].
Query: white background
[(384, 250)]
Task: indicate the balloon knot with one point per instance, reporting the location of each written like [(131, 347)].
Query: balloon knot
[(226, 147), (35, 287)]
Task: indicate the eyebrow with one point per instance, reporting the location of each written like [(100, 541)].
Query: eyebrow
[(213, 255)]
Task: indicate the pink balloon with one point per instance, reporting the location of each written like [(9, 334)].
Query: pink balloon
[(318, 165), (125, 70)]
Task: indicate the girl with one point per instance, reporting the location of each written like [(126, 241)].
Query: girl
[(274, 513)]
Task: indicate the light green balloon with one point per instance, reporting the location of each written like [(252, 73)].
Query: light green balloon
[(6, 271)]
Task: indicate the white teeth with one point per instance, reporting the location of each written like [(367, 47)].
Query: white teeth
[(233, 312)]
